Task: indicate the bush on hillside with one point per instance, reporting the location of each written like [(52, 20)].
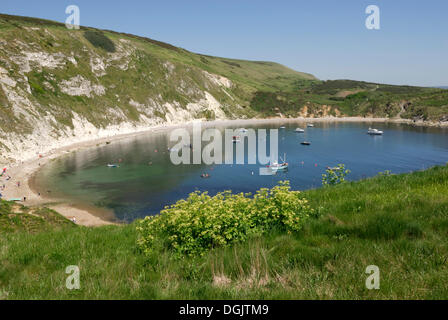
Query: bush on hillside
[(99, 40), (202, 222), (334, 176)]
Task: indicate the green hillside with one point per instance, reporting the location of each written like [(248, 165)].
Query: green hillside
[(53, 75), (39, 56), (396, 222), (60, 86), (355, 98)]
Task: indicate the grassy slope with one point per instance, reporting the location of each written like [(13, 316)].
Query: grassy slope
[(262, 88), (399, 223), (146, 78), (16, 218), (259, 72)]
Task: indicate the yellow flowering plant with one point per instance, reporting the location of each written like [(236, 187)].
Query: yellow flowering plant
[(202, 222)]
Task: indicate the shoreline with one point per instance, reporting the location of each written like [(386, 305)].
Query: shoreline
[(24, 172)]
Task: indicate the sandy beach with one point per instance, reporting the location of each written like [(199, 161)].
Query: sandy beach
[(22, 173)]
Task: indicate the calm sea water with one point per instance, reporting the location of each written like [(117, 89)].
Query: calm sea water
[(147, 181)]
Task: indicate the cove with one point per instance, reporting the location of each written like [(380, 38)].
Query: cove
[(147, 180)]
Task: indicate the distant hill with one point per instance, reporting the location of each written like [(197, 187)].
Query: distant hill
[(356, 98)]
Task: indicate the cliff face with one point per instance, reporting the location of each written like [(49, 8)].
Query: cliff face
[(60, 86)]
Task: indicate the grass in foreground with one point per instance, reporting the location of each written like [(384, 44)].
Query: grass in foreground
[(399, 223)]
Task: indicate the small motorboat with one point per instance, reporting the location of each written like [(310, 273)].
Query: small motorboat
[(310, 125), (306, 143), (282, 127), (275, 166), (113, 165), (374, 132), (300, 130)]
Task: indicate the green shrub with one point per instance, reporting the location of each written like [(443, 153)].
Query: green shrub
[(335, 175), (36, 88), (233, 64), (99, 40), (202, 222)]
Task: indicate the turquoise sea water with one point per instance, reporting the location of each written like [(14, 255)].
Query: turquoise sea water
[(147, 181)]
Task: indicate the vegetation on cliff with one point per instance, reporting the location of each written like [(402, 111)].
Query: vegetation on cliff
[(354, 98)]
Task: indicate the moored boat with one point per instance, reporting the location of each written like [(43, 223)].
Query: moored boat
[(375, 132), (276, 166)]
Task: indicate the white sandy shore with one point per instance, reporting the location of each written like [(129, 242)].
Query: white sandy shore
[(24, 171)]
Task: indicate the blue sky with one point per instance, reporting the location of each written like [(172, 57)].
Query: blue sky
[(326, 38)]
